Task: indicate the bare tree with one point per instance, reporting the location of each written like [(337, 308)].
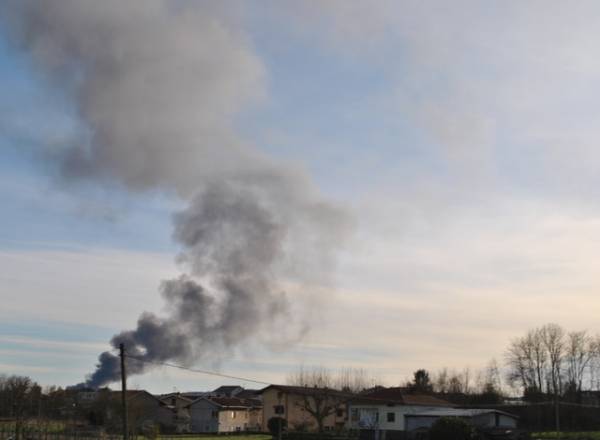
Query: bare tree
[(440, 381), (594, 364), (319, 396), (579, 353), (354, 380), (488, 379), (553, 337), (527, 361), (16, 390), (519, 362)]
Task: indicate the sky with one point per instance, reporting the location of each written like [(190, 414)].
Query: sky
[(459, 139)]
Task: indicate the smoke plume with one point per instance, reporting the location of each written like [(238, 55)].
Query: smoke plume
[(157, 85)]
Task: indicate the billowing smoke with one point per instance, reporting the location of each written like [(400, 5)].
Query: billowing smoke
[(157, 85)]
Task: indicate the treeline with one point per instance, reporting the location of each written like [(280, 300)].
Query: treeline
[(21, 399), (549, 360), (465, 387), (545, 362)]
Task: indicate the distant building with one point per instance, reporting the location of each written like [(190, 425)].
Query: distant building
[(225, 414), (227, 391), (481, 418), (86, 396), (177, 404), (290, 403), (387, 408), (143, 409)]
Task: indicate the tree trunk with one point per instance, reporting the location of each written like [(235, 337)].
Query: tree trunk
[(320, 425)]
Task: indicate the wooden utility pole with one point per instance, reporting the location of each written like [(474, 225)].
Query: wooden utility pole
[(557, 415), (123, 390)]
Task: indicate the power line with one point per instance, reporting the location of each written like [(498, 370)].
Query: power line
[(353, 395), (193, 370)]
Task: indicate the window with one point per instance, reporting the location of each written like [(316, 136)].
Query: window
[(279, 409), (339, 412), (215, 414), (391, 417), (233, 414), (354, 415)]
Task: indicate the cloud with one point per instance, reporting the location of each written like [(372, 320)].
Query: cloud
[(89, 276), (70, 347), (505, 93)]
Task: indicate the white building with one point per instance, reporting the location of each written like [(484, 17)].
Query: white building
[(387, 408), (481, 418), (225, 414)]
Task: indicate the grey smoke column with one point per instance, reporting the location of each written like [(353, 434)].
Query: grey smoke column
[(157, 85)]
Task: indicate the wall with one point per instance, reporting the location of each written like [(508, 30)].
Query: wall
[(255, 420), (204, 416), (233, 420), (294, 414), (381, 422)]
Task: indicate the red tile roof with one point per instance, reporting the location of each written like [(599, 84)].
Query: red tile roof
[(234, 402), (398, 395), (307, 390)]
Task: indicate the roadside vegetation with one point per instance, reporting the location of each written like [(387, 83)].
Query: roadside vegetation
[(590, 435)]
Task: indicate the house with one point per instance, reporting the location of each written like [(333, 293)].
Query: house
[(143, 409), (193, 395), (249, 394), (227, 391), (387, 408), (85, 397), (295, 404), (225, 414), (481, 418), (177, 404)]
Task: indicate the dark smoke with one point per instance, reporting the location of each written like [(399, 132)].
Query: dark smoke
[(158, 84)]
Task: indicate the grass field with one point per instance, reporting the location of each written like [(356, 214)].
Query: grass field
[(592, 435), (217, 437), (41, 425)]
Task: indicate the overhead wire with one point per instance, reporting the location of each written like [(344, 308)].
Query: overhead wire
[(245, 379), (195, 370)]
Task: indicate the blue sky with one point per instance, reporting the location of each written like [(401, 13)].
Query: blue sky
[(462, 142)]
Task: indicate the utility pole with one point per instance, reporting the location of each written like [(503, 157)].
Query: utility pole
[(557, 416), (123, 390)]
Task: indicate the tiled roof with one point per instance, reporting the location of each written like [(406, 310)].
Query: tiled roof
[(132, 394), (226, 389), (248, 394), (397, 395), (231, 402), (307, 390)]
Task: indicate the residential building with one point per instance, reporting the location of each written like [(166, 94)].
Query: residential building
[(225, 414), (178, 405), (227, 391), (481, 418), (387, 408), (295, 404), (143, 410)]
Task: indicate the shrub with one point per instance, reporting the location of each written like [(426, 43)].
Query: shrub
[(274, 424), (453, 428)]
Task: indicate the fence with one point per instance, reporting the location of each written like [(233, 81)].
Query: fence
[(10, 432), (27, 433)]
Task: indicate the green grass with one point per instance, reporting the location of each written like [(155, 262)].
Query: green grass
[(218, 437), (41, 425), (591, 435)]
